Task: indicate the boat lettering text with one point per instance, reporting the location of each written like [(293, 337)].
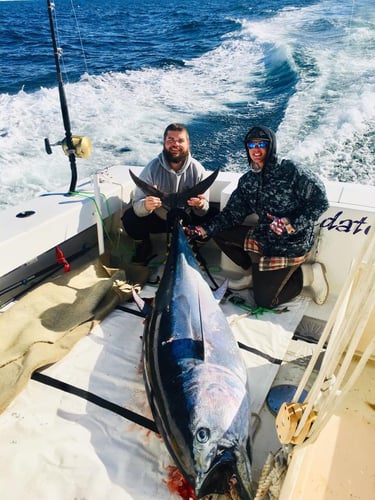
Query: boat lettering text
[(345, 225)]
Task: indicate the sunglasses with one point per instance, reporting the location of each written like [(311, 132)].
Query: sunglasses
[(253, 145)]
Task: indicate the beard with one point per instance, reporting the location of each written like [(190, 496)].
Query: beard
[(175, 158)]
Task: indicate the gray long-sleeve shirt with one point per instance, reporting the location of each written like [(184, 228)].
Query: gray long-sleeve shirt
[(158, 173)]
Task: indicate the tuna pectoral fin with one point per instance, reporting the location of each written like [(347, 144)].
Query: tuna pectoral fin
[(184, 349), (220, 292)]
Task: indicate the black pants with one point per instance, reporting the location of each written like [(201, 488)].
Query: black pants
[(271, 288), (139, 228)]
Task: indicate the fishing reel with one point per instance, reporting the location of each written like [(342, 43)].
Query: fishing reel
[(81, 146)]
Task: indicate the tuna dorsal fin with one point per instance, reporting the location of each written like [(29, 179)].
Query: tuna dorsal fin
[(175, 200)]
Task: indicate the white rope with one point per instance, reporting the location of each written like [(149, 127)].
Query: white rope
[(272, 476), (339, 387), (345, 328)]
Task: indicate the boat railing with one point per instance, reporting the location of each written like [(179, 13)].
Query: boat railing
[(345, 339)]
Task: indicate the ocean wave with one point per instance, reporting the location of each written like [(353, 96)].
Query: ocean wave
[(305, 71)]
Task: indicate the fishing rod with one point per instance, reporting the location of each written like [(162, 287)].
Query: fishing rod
[(72, 145)]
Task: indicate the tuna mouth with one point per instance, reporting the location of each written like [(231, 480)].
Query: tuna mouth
[(219, 477)]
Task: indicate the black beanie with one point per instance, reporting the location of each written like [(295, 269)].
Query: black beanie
[(257, 133)]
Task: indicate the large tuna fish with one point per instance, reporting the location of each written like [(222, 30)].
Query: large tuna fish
[(195, 378)]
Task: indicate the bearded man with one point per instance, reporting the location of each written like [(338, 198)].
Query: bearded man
[(174, 170)]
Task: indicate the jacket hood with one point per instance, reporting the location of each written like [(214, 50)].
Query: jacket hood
[(261, 132)]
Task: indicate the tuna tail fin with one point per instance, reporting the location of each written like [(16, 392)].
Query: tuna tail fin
[(147, 188), (175, 200), (202, 186)]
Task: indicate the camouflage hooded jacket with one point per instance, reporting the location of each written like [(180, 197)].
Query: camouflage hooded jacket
[(282, 190)]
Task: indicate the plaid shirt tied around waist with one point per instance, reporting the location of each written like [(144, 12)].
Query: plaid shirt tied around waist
[(270, 263)]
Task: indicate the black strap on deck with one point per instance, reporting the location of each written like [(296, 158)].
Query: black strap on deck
[(93, 398), (245, 347), (129, 310)]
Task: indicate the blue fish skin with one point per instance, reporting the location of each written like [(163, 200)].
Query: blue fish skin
[(195, 378)]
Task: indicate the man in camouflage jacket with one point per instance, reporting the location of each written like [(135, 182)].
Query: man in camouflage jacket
[(288, 200)]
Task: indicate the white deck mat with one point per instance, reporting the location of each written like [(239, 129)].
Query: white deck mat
[(269, 335), (54, 445)]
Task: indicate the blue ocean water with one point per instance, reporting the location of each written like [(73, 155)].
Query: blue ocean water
[(130, 67)]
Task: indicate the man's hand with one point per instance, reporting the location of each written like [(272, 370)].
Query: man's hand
[(195, 232), (196, 202), (278, 225), (152, 202)]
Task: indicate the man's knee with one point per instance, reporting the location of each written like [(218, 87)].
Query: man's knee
[(133, 225), (127, 217)]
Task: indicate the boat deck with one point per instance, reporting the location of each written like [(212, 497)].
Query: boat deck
[(97, 440)]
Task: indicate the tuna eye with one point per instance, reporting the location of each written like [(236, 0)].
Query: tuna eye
[(203, 435)]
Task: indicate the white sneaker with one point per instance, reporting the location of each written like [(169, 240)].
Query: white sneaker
[(244, 282), (319, 285)]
